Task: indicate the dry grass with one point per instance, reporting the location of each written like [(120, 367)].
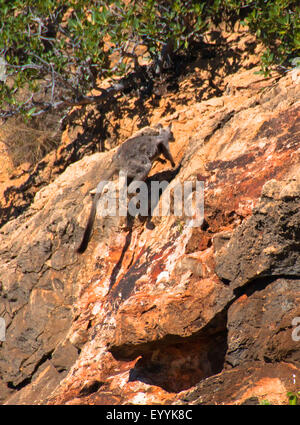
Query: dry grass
[(30, 142)]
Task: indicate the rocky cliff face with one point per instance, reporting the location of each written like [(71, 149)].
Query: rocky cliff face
[(165, 313)]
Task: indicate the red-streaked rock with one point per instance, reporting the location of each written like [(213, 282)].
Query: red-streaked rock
[(252, 383), (155, 312)]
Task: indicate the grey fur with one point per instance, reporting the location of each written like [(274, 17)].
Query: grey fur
[(134, 157)]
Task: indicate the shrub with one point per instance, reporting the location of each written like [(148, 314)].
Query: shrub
[(53, 53)]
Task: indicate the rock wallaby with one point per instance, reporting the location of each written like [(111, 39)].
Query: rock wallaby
[(135, 158)]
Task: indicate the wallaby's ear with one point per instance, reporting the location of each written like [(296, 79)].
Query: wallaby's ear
[(158, 126), (170, 126)]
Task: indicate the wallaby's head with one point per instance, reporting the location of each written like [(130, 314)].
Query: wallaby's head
[(166, 132)]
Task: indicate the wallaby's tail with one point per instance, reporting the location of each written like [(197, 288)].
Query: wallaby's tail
[(88, 230)]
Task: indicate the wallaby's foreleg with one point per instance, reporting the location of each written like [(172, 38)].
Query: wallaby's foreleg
[(165, 150), (162, 161)]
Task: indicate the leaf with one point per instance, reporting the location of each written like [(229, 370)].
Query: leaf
[(31, 111), (293, 398)]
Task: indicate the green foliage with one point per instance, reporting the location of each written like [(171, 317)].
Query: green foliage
[(56, 51), (265, 403), (277, 25), (293, 398), (67, 45)]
